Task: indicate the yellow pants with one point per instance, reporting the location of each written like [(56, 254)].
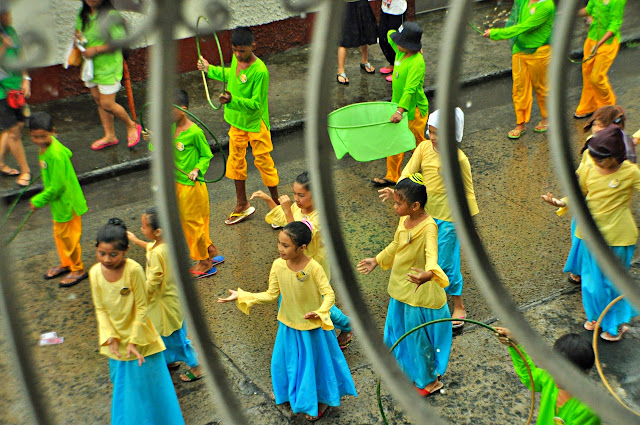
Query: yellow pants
[(261, 145), (530, 70), (67, 236), (394, 162), (193, 205), (596, 89)]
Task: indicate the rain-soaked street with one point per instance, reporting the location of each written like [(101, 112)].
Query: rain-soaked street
[(527, 242)]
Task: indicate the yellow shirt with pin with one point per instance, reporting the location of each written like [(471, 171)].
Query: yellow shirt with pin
[(121, 311), (316, 248), (608, 197), (302, 292), (416, 247), (427, 161), (164, 302)]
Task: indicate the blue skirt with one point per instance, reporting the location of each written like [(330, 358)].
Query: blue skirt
[(598, 291), (307, 368), (143, 395), (573, 263), (424, 354), (449, 256), (179, 348)]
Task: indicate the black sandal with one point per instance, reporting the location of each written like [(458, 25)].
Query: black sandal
[(366, 67), (346, 80)]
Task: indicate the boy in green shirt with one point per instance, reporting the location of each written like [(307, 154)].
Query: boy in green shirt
[(192, 154), (63, 194), (557, 406), (247, 111)]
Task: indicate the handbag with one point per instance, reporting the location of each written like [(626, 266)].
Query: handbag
[(75, 57), (15, 99)]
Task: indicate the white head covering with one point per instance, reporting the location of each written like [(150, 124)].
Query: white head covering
[(434, 121)]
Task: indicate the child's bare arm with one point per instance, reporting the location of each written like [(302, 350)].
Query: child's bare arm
[(266, 198), (134, 239), (285, 203)]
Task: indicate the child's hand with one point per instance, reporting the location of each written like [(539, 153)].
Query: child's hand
[(420, 277), (260, 195), (26, 88), (311, 315), (193, 175), (131, 349), (486, 33), (225, 98), (32, 207), (386, 193), (367, 265), (232, 297), (396, 117), (549, 199), (6, 40), (113, 344), (505, 336), (133, 238), (285, 202), (90, 52), (636, 140), (202, 64)]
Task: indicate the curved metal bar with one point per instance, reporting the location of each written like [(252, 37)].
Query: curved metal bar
[(562, 154), (488, 280), (28, 40), (162, 88), (301, 6), (217, 15), (319, 154), (148, 26)]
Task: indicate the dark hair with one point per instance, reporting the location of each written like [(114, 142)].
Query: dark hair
[(182, 98), (299, 233), (303, 179), (114, 232), (40, 121), (410, 191), (242, 36), (105, 6), (152, 217), (577, 350)]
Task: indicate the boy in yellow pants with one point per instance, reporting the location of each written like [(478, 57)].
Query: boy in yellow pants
[(64, 196), (247, 111)]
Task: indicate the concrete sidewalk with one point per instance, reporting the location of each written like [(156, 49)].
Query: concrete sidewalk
[(78, 125)]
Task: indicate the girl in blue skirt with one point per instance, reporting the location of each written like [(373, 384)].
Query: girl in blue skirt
[(308, 369), (164, 303), (142, 390), (608, 187), (416, 289)]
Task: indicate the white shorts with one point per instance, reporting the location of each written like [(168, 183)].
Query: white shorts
[(105, 88)]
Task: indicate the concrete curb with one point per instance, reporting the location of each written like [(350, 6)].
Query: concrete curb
[(276, 130)]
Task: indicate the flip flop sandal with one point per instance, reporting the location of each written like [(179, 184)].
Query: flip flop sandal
[(321, 413), (346, 343), (582, 116), (275, 226), (540, 128), (57, 271), (23, 181), (516, 134), (389, 78), (608, 337), (190, 376), (97, 145), (382, 182), (73, 282), (235, 218), (202, 275), (131, 143), (366, 67), (573, 280), (458, 325), (589, 325), (8, 171), (346, 80), (427, 393), (218, 259), (385, 70)]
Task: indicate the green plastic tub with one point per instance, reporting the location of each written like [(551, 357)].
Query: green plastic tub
[(363, 130)]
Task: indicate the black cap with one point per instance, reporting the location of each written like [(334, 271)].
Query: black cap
[(408, 36)]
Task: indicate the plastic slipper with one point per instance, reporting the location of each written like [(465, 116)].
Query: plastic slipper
[(218, 259), (73, 282), (346, 80), (608, 337), (132, 143), (541, 128), (366, 67), (427, 393), (458, 325), (275, 226), (385, 70), (582, 116), (97, 145), (321, 413), (572, 278), (589, 325), (235, 218), (516, 134), (377, 182), (8, 171), (202, 275), (190, 376), (57, 271), (389, 78), (347, 342)]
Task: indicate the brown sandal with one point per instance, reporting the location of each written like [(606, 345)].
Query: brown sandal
[(7, 171)]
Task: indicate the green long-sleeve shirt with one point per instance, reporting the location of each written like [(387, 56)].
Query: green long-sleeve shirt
[(573, 411), (191, 150), (249, 90), (607, 16), (533, 26), (408, 81), (62, 190)]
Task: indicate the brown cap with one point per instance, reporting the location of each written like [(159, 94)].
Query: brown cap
[(607, 115)]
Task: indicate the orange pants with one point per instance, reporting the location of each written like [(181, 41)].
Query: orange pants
[(67, 236), (530, 70), (394, 162), (596, 89), (261, 145), (193, 206)]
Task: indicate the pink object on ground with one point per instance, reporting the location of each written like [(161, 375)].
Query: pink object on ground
[(386, 70), (389, 78)]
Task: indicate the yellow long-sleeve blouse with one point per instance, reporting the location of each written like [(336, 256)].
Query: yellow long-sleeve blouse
[(301, 293), (608, 197), (416, 247), (427, 161), (315, 249), (121, 310), (164, 302)]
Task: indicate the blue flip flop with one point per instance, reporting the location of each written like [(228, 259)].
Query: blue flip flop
[(208, 273), (218, 259)]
